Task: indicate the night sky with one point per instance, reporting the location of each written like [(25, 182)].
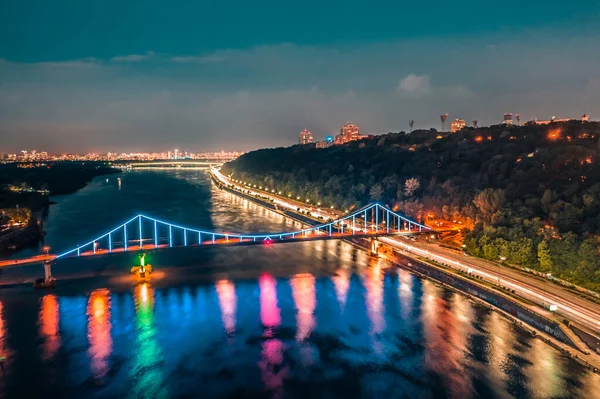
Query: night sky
[(113, 75)]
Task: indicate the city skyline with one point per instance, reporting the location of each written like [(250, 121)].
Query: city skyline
[(260, 82)]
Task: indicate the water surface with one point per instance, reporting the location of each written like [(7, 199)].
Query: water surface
[(315, 319)]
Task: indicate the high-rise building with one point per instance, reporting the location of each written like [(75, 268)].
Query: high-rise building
[(585, 118), (349, 132), (305, 137), (507, 119), (457, 124)]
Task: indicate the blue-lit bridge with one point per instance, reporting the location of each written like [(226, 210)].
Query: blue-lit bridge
[(143, 232)]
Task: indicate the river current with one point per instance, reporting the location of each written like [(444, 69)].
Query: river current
[(300, 320)]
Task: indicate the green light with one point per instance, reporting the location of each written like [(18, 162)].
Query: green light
[(143, 260)]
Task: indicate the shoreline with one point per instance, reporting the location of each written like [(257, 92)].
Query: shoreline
[(34, 233), (572, 352)]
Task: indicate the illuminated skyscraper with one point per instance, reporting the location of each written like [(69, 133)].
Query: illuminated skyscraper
[(305, 137)]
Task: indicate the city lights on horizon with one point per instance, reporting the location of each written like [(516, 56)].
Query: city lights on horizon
[(34, 155)]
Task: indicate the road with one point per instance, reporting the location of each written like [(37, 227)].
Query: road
[(536, 290)]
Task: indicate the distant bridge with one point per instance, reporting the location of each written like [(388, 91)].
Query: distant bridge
[(176, 163)]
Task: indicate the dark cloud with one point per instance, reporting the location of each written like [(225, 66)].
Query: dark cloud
[(245, 99)]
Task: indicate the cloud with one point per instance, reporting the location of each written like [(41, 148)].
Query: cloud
[(263, 96), (414, 84), (133, 57), (211, 58), (70, 64)]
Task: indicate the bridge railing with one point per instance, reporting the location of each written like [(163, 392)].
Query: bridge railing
[(143, 231)]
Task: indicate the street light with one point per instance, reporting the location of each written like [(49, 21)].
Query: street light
[(47, 249)]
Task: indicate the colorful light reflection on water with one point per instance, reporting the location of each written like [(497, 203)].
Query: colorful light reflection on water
[(396, 334)]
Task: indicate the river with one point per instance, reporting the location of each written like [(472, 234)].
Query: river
[(315, 319)]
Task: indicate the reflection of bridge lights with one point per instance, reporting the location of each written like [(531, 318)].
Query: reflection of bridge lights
[(227, 303), (269, 311), (99, 331), (144, 292), (48, 322), (303, 291)]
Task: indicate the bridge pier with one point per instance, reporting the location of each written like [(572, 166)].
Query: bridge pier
[(47, 271)]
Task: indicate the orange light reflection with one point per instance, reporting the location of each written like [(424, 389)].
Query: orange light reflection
[(48, 322), (303, 291), (99, 328), (227, 303)]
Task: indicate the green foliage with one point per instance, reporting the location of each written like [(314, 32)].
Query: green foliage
[(543, 256), (533, 200)]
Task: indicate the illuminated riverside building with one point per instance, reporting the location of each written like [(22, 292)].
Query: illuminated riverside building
[(328, 142), (305, 137), (584, 118), (349, 132), (457, 124)]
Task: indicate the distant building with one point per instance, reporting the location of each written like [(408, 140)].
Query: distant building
[(328, 142), (508, 120), (350, 132), (305, 137), (457, 124), (584, 118)]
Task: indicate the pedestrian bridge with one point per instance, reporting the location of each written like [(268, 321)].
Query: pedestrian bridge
[(144, 232)]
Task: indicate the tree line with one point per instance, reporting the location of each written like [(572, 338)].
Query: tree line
[(530, 194)]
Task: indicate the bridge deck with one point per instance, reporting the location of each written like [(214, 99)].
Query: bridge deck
[(134, 246)]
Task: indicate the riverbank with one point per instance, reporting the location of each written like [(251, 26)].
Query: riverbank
[(28, 187), (550, 331)]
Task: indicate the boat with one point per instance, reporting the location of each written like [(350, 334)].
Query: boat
[(143, 270)]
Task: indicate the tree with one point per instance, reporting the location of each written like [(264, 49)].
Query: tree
[(489, 201), (410, 186), (376, 192), (589, 264), (547, 200), (543, 255)]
